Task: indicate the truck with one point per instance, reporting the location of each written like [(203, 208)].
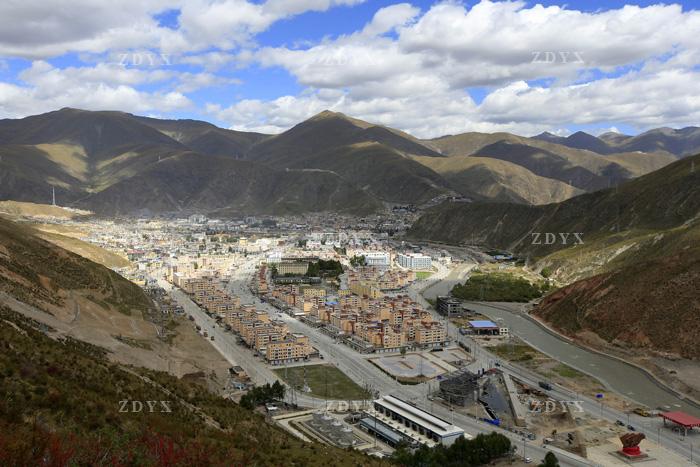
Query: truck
[(642, 411), (545, 385)]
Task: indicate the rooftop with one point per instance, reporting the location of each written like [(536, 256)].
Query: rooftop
[(419, 416), (483, 324)]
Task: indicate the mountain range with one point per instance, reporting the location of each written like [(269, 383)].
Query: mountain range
[(115, 163)]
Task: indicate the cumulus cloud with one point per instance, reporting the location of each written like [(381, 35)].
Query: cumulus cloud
[(535, 67), (54, 27), (542, 67), (104, 87)]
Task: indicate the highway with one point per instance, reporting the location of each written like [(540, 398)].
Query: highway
[(358, 368), (614, 373)]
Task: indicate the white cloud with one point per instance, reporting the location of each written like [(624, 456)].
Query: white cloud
[(104, 87), (53, 27), (426, 68), (406, 68)]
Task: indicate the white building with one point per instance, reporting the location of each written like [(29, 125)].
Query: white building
[(415, 261), (410, 421), (275, 257), (380, 259)]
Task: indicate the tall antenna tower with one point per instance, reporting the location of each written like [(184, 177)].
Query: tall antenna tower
[(53, 196)]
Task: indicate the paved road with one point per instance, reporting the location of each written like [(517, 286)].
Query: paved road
[(615, 374), (364, 373), (619, 377)]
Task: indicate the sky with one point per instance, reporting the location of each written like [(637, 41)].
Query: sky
[(430, 68)]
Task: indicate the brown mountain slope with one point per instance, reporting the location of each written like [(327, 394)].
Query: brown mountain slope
[(648, 305), (328, 130), (679, 142), (42, 274), (116, 163), (380, 170), (547, 157), (192, 182)]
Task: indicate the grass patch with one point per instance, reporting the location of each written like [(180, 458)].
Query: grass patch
[(515, 352), (325, 381), (420, 275), (131, 342), (498, 287), (566, 371)]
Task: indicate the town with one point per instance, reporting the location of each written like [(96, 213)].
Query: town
[(372, 350)]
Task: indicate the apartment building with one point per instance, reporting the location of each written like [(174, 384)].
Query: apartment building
[(366, 289), (379, 259), (294, 347), (311, 292), (297, 268), (414, 261)]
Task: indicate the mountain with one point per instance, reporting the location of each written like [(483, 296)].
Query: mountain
[(206, 138), (497, 180), (662, 201), (69, 401), (369, 156), (681, 142), (637, 306), (545, 156), (115, 163), (328, 130), (189, 182), (578, 140), (42, 274)]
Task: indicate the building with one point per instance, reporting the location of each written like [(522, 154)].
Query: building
[(447, 306), (377, 259), (430, 333), (487, 328), (294, 348), (297, 268), (460, 388), (310, 292), (414, 423), (414, 261), (367, 289)]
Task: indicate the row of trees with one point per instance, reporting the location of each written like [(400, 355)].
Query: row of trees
[(463, 452), (262, 395), (329, 268)]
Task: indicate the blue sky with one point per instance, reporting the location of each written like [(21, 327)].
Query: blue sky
[(429, 68)]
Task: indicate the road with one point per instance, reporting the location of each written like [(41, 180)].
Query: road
[(617, 376), (366, 374)]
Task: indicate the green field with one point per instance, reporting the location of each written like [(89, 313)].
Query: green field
[(497, 287), (514, 352), (420, 275), (325, 381)]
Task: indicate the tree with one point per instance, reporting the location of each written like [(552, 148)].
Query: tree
[(403, 352), (278, 390), (550, 460)]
